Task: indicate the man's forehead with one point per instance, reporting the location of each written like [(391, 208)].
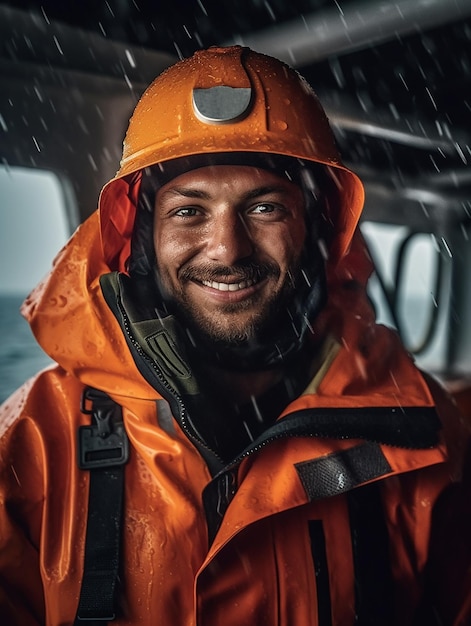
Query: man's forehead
[(229, 173), (245, 182), (285, 167)]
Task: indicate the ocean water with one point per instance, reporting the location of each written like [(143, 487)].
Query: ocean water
[(20, 355)]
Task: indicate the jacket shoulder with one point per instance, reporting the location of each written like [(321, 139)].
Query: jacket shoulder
[(42, 400)]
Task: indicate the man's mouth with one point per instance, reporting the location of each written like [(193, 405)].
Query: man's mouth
[(244, 284), (243, 277)]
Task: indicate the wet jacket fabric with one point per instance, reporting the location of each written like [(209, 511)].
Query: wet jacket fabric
[(327, 522)]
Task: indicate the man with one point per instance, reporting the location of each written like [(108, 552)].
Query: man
[(252, 448)]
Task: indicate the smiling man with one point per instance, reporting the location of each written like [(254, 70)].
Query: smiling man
[(240, 232), (228, 436)]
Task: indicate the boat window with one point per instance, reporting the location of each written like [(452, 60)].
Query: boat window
[(409, 288), (34, 226)]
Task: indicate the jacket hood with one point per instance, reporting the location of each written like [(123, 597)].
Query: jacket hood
[(73, 324)]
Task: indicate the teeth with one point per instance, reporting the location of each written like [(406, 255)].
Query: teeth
[(228, 286)]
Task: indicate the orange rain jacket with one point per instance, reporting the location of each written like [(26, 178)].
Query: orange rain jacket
[(301, 531)]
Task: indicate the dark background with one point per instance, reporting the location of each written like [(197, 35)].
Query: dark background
[(395, 78)]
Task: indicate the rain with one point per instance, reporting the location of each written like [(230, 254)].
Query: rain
[(395, 81), (387, 92)]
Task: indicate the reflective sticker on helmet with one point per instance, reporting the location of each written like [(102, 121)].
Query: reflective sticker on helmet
[(222, 104)]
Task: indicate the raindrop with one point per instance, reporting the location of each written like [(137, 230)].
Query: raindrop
[(431, 98), (447, 247), (424, 209), (362, 102), (393, 378), (447, 130), (292, 57), (38, 93), (202, 7), (460, 153), (394, 111), (15, 475), (109, 8), (187, 32), (251, 437), (270, 11), (337, 72), (339, 7), (323, 249), (128, 82), (28, 43), (306, 278), (434, 163), (56, 41), (44, 15), (403, 81), (92, 162), (190, 337), (82, 125), (130, 58), (179, 52), (256, 409)]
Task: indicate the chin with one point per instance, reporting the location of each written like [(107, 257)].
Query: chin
[(230, 334), (233, 333)]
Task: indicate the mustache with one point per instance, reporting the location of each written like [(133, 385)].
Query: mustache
[(246, 270)]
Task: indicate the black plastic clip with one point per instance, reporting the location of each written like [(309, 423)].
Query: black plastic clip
[(104, 443)]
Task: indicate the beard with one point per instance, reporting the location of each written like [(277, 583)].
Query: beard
[(252, 320)]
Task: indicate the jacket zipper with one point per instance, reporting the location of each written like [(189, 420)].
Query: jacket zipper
[(163, 384)]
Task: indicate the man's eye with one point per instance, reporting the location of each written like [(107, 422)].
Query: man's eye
[(187, 212), (264, 208)]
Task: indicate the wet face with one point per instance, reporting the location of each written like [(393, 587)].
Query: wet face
[(228, 241)]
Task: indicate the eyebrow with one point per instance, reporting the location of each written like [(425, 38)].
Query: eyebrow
[(187, 192), (190, 192)]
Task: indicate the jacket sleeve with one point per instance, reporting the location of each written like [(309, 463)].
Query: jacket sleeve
[(21, 498), (448, 574)]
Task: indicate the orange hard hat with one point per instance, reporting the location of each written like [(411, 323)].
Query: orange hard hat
[(224, 100)]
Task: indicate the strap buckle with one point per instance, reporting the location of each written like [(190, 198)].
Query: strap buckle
[(104, 443)]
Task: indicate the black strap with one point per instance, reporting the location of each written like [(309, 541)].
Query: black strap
[(321, 570), (412, 427), (103, 449), (374, 589)]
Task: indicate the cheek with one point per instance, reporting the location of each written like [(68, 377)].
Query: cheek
[(166, 245), (286, 245), (173, 248)]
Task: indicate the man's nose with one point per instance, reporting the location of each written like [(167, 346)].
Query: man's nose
[(229, 240)]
